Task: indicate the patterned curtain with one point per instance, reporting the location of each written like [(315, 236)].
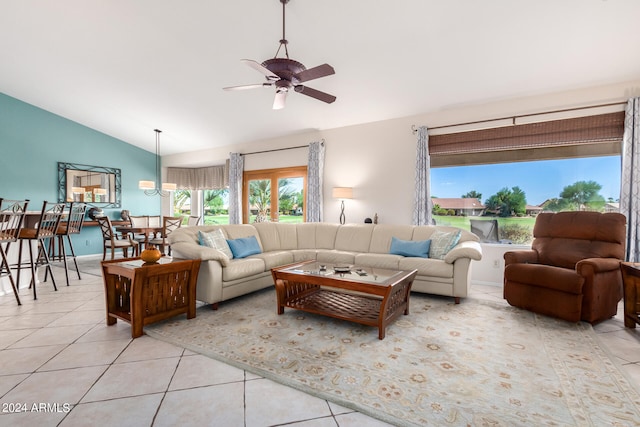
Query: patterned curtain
[(236, 167), (315, 170), (630, 182), (422, 201)]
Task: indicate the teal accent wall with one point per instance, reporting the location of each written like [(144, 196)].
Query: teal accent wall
[(33, 141)]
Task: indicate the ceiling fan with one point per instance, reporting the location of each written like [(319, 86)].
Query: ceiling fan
[(286, 74)]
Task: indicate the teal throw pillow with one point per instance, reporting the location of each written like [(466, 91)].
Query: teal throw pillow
[(245, 246), (410, 248), (442, 242), (215, 239)]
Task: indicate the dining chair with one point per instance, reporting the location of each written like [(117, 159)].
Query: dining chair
[(45, 229), (169, 224), (11, 218), (72, 225), (111, 240), (137, 221), (193, 220), (155, 221)]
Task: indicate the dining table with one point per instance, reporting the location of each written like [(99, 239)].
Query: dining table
[(146, 231)]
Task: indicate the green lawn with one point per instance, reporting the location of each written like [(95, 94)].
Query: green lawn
[(224, 219), (463, 222)]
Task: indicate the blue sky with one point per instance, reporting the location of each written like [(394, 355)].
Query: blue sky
[(540, 180)]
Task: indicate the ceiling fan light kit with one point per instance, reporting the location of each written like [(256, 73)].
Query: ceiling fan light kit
[(286, 74)]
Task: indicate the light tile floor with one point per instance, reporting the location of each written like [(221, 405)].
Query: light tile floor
[(61, 365)]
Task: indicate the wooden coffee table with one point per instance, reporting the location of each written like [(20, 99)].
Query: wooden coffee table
[(375, 298)]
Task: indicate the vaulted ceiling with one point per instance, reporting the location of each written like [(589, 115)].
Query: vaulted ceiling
[(126, 67)]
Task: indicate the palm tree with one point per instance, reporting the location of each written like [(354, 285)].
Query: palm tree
[(260, 196), (180, 198)]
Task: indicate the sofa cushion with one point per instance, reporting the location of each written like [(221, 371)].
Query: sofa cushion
[(378, 260), (215, 239), (244, 246), (304, 254), (419, 248), (275, 258), (354, 237), (336, 257), (382, 234), (242, 268), (427, 267), (275, 236), (442, 243)]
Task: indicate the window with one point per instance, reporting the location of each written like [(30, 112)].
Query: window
[(516, 172), (591, 183), (289, 184), (182, 204), (215, 206)]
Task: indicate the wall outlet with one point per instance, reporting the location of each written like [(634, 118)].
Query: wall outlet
[(87, 242), (496, 263)]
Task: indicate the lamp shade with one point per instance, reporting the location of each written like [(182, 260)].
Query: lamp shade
[(77, 190), (169, 186), (100, 191), (342, 193), (146, 185)]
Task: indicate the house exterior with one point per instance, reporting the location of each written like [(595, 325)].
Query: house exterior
[(463, 206), (533, 210)]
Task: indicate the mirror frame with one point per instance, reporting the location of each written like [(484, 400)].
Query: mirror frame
[(62, 182)]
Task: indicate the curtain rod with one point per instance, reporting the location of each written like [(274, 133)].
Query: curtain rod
[(279, 149), (414, 129)]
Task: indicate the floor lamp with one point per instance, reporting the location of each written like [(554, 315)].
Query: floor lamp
[(342, 193)]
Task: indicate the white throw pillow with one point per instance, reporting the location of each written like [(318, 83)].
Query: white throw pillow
[(215, 239)]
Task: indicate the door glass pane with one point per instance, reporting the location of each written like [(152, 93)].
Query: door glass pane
[(259, 200), (290, 199)]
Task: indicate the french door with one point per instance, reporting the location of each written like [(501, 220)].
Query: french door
[(276, 195)]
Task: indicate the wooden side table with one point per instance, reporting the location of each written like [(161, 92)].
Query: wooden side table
[(631, 280), (141, 293)]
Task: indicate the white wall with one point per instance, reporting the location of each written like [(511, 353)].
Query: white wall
[(377, 159)]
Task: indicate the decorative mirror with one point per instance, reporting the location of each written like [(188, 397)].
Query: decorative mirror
[(94, 185)]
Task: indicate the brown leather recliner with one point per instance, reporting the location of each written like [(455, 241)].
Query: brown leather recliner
[(572, 271)]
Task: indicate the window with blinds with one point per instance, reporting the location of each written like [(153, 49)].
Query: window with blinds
[(596, 135)]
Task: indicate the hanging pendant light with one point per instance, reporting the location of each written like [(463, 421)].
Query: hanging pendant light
[(150, 188)]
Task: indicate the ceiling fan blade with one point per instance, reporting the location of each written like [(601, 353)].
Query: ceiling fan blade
[(322, 96), (261, 69), (315, 73), (281, 97), (243, 87)]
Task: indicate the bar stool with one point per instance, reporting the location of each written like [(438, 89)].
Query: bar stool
[(46, 228), (11, 217), (73, 225)]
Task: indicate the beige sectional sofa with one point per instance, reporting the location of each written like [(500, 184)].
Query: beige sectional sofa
[(222, 278)]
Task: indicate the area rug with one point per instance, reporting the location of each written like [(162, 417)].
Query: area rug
[(475, 363)]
